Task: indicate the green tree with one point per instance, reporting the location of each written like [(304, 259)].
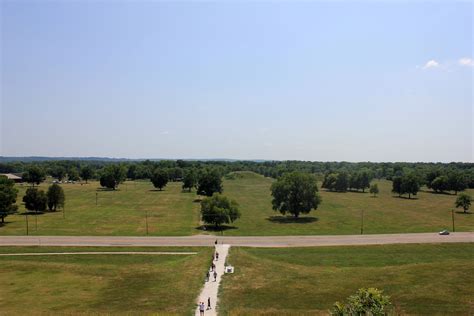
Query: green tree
[(35, 200), (456, 182), (87, 173), (370, 302), (56, 198), (397, 185), (218, 210), (374, 189), (439, 184), (112, 176), (159, 178), (464, 201), (58, 172), (209, 182), (410, 184), (342, 182), (34, 175), (189, 180), (8, 195), (73, 175), (295, 193)]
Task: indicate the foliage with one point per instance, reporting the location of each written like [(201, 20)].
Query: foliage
[(86, 172), (439, 184), (34, 175), (35, 200), (369, 301), (189, 180), (209, 182), (406, 184), (374, 189), (8, 195), (218, 210), (73, 175), (295, 193), (159, 178), (56, 198), (464, 201), (112, 176)]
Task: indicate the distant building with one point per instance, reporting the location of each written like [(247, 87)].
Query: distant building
[(13, 177)]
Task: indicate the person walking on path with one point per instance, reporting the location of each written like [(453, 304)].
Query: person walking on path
[(209, 303), (207, 276), (215, 276), (217, 256), (201, 308)]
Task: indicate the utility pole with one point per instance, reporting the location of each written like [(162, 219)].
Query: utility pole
[(96, 194), (146, 221), (452, 215), (26, 217), (36, 220), (64, 210), (362, 223)]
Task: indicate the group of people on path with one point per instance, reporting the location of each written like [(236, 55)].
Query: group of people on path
[(202, 306)]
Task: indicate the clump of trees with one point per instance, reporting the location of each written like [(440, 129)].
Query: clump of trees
[(159, 178), (218, 210), (464, 201), (209, 182), (406, 184), (295, 193), (8, 195), (343, 181), (449, 181), (34, 175), (112, 176), (35, 200), (189, 180), (369, 301), (56, 197)]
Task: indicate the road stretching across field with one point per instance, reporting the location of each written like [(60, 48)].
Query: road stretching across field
[(243, 241)]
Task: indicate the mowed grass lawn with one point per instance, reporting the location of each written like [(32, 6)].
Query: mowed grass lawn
[(430, 279), (173, 212), (96, 284)]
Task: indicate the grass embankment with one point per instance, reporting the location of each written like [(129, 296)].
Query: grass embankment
[(172, 212), (95, 284), (420, 279)]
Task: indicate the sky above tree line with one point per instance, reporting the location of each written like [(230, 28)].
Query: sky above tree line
[(352, 81)]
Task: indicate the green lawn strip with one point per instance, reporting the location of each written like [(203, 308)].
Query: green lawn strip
[(421, 279), (114, 284)]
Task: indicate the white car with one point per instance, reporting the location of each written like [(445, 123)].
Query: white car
[(444, 232)]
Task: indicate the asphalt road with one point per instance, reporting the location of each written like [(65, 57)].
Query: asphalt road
[(247, 241)]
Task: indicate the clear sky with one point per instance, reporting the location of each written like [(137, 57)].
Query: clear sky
[(353, 81)]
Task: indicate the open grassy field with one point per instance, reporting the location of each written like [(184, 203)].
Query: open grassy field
[(173, 212), (431, 279), (95, 284)]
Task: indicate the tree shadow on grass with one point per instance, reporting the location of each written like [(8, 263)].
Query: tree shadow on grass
[(156, 190), (105, 190), (213, 228), (34, 213), (197, 200), (437, 193), (404, 197), (463, 213), (291, 219)]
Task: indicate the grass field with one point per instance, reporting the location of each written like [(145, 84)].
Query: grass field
[(173, 212), (94, 284), (432, 279)]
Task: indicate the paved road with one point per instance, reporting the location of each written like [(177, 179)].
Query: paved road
[(247, 241)]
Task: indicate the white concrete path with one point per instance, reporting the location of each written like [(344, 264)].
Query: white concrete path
[(211, 287)]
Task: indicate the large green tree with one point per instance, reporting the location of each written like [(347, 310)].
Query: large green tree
[(8, 195), (189, 180), (112, 176), (218, 210), (464, 201), (410, 184), (56, 198), (73, 174), (34, 175), (86, 173), (35, 200), (209, 182), (159, 178), (295, 193), (456, 182)]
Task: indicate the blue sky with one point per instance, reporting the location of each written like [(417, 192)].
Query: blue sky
[(365, 81)]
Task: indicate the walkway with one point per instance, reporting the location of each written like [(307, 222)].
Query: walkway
[(96, 253), (244, 241), (211, 287)]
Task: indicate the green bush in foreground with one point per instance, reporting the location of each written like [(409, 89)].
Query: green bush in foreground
[(369, 301)]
